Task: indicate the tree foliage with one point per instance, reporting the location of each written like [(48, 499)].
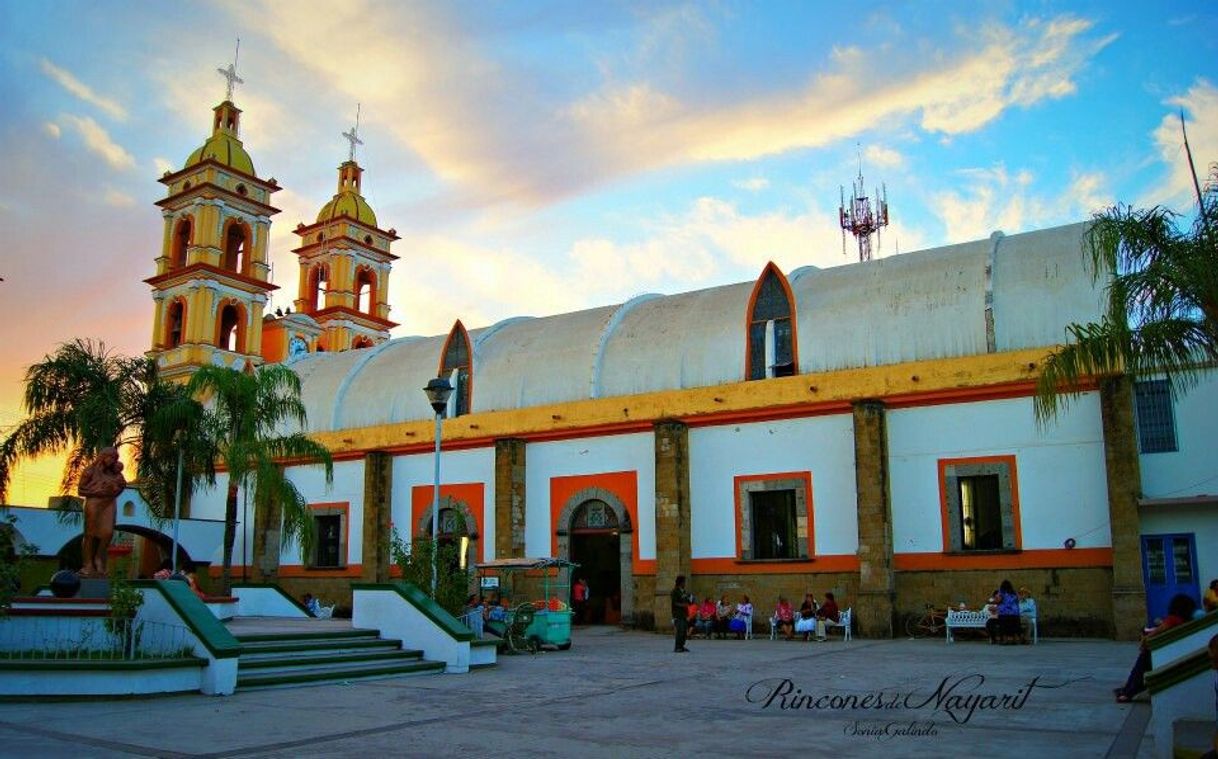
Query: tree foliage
[(414, 561), (78, 400), (1160, 303), (243, 415)]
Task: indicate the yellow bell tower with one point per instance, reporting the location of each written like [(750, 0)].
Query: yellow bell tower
[(344, 265), (212, 277)]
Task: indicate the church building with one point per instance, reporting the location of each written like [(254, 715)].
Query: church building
[(865, 429)]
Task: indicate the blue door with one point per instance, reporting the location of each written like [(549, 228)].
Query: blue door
[(1169, 566)]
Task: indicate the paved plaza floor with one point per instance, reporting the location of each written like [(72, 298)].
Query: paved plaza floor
[(624, 694)]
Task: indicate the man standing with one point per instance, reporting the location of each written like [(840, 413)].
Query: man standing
[(100, 484), (680, 620)]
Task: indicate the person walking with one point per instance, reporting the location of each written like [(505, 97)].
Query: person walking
[(680, 621)]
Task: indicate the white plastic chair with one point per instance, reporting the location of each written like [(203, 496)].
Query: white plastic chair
[(843, 622), (748, 626), (325, 612)]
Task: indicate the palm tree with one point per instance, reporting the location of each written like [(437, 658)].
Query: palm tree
[(244, 412), (1161, 306), (80, 399)]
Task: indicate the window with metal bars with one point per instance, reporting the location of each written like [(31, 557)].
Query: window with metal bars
[(1155, 418)]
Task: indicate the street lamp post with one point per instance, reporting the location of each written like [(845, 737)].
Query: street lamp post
[(177, 508), (437, 391)]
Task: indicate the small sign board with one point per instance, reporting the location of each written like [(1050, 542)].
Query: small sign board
[(490, 583)]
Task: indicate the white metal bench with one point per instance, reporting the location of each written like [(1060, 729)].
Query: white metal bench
[(976, 620), (969, 620)]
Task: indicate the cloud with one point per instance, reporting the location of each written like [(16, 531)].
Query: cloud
[(753, 184), (83, 91), (883, 157), (162, 165), (496, 131), (97, 139), (996, 199), (117, 198), (1200, 102), (52, 129)]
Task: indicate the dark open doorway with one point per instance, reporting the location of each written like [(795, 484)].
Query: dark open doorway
[(596, 545), (599, 557)]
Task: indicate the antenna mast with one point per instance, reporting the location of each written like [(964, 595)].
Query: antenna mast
[(859, 218)]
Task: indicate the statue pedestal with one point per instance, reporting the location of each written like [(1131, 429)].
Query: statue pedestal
[(91, 587)]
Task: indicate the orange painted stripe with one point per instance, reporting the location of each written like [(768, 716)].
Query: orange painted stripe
[(300, 570), (732, 566), (772, 413), (1052, 558)]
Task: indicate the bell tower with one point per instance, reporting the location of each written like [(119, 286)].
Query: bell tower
[(212, 277), (344, 265)]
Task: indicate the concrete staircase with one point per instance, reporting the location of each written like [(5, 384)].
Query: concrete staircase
[(298, 657)]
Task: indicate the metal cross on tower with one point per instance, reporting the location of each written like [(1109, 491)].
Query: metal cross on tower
[(230, 73), (353, 135)]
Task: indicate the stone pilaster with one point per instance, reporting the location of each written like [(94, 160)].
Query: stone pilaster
[(672, 514), (874, 608), (509, 498), (1124, 490), (378, 508)]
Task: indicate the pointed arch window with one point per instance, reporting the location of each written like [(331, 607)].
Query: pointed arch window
[(181, 243), (175, 323), (236, 248), (230, 332), (771, 328), (365, 291), (457, 367)]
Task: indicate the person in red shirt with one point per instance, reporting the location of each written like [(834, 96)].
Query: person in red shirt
[(828, 612), (1179, 610), (784, 618), (706, 617)]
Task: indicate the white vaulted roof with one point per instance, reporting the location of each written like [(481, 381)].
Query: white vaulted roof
[(923, 305)]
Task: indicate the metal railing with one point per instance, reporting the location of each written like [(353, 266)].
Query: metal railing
[(98, 639)]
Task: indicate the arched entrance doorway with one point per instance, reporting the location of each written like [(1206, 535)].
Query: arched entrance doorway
[(595, 532), (455, 526)]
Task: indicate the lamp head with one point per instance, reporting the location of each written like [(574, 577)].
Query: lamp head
[(438, 391)]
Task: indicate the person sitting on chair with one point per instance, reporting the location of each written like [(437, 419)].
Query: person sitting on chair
[(805, 621), (723, 616), (827, 613), (784, 618), (706, 618), (311, 604), (744, 617)]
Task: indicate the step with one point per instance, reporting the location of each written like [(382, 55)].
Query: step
[(287, 645), (338, 673), (358, 632), (1192, 738), (299, 661)]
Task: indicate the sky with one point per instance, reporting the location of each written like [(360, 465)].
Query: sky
[(544, 157)]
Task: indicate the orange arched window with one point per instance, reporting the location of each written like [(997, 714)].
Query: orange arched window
[(770, 351), (180, 244), (457, 368), (236, 248), (230, 331), (365, 291), (175, 323)]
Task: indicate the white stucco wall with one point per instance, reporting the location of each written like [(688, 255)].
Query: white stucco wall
[(1063, 490), (467, 466), (564, 458), (822, 445), (1193, 469), (348, 486)]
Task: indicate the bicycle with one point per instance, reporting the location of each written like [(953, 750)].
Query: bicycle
[(932, 623)]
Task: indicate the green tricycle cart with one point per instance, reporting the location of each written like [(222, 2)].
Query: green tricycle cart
[(531, 624)]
